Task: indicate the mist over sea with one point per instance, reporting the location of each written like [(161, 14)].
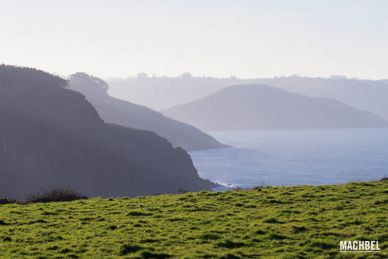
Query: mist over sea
[(294, 157)]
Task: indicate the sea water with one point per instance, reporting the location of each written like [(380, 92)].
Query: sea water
[(295, 157)]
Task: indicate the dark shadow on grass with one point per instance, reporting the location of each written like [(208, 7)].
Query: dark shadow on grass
[(231, 244), (138, 214), (129, 248)]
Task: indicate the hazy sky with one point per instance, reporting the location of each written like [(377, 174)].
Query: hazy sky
[(216, 38)]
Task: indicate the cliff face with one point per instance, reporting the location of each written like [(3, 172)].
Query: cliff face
[(52, 137), (127, 114), (257, 107)]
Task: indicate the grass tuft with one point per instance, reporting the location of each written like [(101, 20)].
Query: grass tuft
[(57, 195)]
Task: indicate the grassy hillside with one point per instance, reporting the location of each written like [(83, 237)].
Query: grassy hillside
[(268, 222)]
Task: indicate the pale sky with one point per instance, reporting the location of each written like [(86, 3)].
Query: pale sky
[(119, 38)]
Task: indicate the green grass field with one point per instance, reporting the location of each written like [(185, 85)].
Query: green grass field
[(278, 222)]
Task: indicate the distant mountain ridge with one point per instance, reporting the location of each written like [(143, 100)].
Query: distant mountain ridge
[(165, 92), (127, 114), (51, 137), (369, 95), (161, 93), (258, 107)]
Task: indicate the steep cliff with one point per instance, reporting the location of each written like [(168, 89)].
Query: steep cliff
[(52, 137)]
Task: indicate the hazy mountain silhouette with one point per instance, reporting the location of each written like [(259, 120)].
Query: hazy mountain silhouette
[(255, 107), (367, 95), (165, 92), (127, 114), (52, 137)]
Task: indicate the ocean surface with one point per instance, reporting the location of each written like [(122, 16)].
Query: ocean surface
[(294, 157)]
